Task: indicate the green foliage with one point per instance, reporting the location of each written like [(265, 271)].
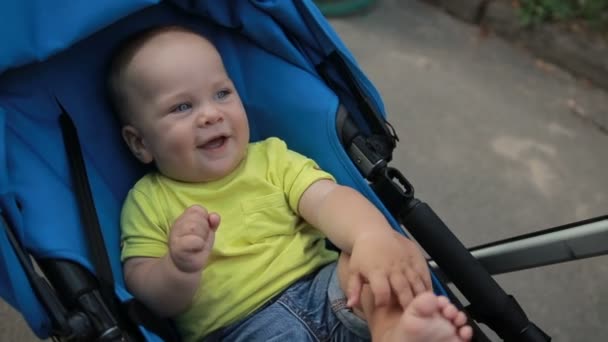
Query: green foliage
[(595, 12)]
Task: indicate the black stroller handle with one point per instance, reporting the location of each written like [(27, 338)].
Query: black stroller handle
[(489, 302)]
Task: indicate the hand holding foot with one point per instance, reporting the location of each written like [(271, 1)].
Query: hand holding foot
[(391, 264)]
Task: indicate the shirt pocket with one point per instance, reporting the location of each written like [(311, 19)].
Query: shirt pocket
[(267, 217)]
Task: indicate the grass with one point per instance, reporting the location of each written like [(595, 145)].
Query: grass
[(592, 12)]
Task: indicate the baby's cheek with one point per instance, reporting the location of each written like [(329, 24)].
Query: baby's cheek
[(179, 144), (175, 153)]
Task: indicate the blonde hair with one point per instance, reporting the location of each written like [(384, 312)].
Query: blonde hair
[(120, 60)]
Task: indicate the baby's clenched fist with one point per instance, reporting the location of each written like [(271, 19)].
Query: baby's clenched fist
[(191, 238)]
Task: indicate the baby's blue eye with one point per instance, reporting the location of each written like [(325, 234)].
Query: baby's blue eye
[(182, 107), (222, 94)]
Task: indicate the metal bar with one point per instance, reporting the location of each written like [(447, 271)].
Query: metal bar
[(573, 242), (44, 292)]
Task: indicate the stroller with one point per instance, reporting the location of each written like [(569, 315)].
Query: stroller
[(65, 169)]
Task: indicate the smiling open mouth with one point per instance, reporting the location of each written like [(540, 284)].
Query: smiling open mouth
[(214, 143)]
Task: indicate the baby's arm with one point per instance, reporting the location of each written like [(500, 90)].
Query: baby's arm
[(379, 255), (167, 284)]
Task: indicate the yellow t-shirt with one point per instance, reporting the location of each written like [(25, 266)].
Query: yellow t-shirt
[(261, 247)]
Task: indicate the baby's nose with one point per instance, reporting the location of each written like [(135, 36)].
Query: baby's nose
[(210, 117)]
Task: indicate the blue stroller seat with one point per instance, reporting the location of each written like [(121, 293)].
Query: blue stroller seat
[(295, 77)]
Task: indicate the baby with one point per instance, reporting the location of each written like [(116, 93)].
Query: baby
[(264, 272)]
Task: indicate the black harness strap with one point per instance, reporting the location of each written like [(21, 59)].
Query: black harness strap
[(133, 309), (89, 218)]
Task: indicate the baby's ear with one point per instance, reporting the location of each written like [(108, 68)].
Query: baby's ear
[(136, 144)]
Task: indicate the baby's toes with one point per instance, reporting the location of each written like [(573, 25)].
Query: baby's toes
[(443, 301), (424, 305), (460, 319), (465, 333), (449, 312)]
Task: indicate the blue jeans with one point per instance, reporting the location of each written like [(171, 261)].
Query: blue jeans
[(312, 309)]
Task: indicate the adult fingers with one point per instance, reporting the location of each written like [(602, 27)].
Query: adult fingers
[(354, 286), (380, 288), (401, 287), (422, 269), (415, 282)]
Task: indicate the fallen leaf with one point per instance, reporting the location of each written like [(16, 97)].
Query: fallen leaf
[(423, 62), (544, 66), (575, 107), (484, 31), (575, 27), (586, 83)]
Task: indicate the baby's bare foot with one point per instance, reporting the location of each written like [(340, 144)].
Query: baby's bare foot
[(429, 318)]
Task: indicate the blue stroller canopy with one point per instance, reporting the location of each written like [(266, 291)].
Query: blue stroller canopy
[(57, 51)]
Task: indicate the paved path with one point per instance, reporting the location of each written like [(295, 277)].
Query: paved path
[(495, 141)]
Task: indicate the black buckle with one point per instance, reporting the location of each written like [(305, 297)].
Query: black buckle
[(396, 192), (365, 157)]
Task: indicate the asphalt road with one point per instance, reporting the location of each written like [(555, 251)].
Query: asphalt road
[(496, 141)]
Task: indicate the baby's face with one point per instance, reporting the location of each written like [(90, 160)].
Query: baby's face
[(185, 109)]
